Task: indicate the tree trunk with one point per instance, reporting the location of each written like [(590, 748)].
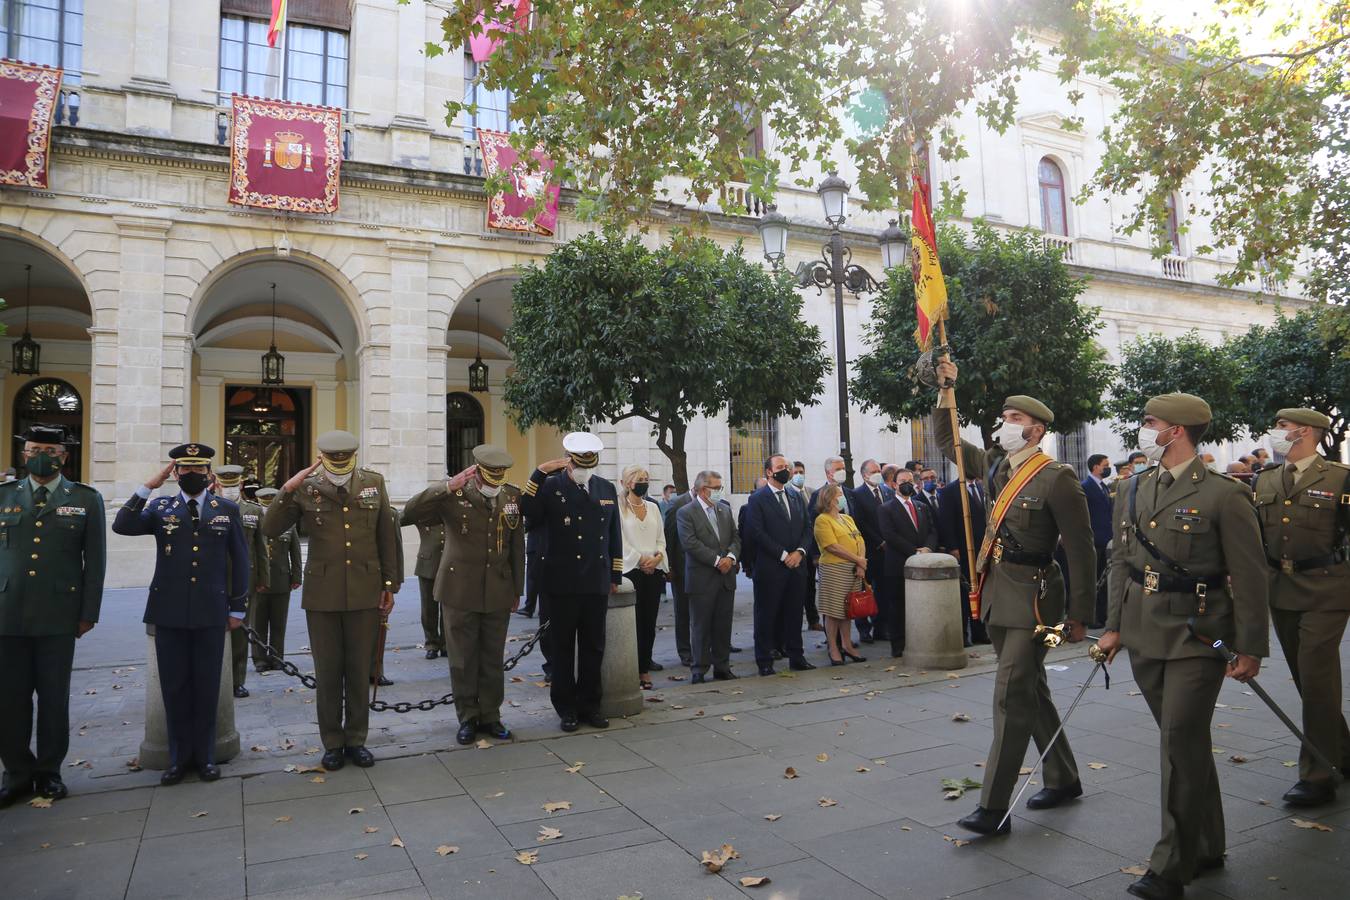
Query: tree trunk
[(670, 440)]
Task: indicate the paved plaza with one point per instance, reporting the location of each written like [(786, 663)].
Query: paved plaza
[(706, 766)]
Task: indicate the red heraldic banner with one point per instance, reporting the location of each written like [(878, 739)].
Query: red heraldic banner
[(511, 211), (28, 97), (285, 156)]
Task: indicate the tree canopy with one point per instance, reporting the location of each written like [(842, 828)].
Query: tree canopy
[(1154, 364)]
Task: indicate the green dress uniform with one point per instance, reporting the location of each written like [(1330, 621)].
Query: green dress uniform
[(250, 514), (480, 580), (52, 561), (353, 557), (431, 544), (1185, 544), (1023, 587), (272, 605), (1305, 515)]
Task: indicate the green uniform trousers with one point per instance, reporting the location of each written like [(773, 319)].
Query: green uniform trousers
[(1181, 693), (342, 644), (1312, 641), (28, 666), (433, 632), (1023, 712), (267, 615), (477, 643)]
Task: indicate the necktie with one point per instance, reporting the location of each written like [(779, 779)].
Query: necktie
[(40, 496), (712, 520), (913, 514), (876, 492), (1287, 478), (192, 508), (782, 498)]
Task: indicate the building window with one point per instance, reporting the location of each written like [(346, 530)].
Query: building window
[(463, 430), (1054, 213), (315, 70), (751, 444), (265, 431), (47, 32), (49, 401), (1173, 231), (492, 106), (1073, 449)]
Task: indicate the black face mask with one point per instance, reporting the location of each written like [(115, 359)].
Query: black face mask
[(782, 476), (907, 488), (193, 483), (640, 488)]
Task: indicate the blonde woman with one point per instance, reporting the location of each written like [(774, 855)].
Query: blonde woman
[(842, 568), (644, 560)]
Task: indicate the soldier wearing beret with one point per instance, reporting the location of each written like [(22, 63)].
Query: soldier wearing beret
[(271, 606), (351, 576), (431, 545), (1034, 505), (52, 560), (229, 480), (1304, 508), (199, 589), (481, 575), (1186, 553)]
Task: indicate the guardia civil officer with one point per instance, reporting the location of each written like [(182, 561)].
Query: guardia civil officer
[(230, 480), (1304, 508), (430, 546), (582, 564), (1034, 504), (482, 572), (351, 576), (1186, 552), (200, 588), (52, 560), (271, 606)]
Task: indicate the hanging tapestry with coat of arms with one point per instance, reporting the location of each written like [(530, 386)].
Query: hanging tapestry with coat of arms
[(510, 211), (28, 98), (285, 156)]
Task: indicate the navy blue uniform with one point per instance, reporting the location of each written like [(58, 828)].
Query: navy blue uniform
[(202, 575), (780, 592), (581, 556)]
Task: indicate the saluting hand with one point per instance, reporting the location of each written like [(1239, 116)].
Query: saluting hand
[(553, 465), (457, 483), (157, 480), (293, 483)]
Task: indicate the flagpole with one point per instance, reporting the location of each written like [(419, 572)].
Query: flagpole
[(960, 456)]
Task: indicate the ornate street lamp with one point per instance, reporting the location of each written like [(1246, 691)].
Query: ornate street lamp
[(27, 352), (478, 370), (773, 232), (273, 363), (894, 247)]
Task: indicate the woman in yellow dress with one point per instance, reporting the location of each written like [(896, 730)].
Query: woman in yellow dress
[(842, 568)]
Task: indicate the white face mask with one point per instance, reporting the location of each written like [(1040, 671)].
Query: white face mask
[(714, 496), (580, 475), (874, 479), (337, 480), (839, 476), (1280, 441), (1009, 436), (1148, 444), (489, 490)]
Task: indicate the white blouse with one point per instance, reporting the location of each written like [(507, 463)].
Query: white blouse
[(642, 537)]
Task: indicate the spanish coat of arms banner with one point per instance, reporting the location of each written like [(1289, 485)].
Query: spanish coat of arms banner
[(511, 210), (28, 97), (285, 156)]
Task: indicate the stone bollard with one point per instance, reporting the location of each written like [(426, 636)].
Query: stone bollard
[(620, 694), (933, 608), (155, 747)]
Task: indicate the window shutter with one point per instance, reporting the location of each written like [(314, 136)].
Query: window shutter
[(324, 13)]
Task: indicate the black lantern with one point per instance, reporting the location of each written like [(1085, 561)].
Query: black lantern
[(273, 363), (27, 352), (478, 370)]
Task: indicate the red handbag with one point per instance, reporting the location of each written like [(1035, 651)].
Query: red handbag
[(862, 604)]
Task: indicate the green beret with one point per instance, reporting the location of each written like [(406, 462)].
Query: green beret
[(1304, 416), (1031, 406), (338, 442), (229, 476), (267, 493), (1179, 409)]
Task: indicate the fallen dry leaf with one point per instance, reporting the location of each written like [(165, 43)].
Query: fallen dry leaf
[(548, 834), (789, 773), (282, 819), (905, 828), (355, 810), (773, 817), (362, 856), (1098, 765), (574, 768), (652, 698), (259, 748), (75, 764), (446, 850), (889, 669), (45, 845), (541, 684), (1237, 758), (1025, 770), (318, 779), (553, 806), (1132, 694), (1289, 764), (527, 857), (200, 814), (396, 842), (40, 803), (862, 769), (134, 764), (495, 796), (1135, 870), (483, 744), (826, 801), (754, 880), (728, 718), (822, 757), (714, 860), (952, 675), (371, 829), (960, 717), (1304, 823)]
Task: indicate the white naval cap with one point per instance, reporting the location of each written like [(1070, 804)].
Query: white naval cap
[(584, 448)]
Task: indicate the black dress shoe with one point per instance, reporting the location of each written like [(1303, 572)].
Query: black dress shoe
[(1153, 886), (466, 732), (836, 662), (496, 731), (656, 667), (172, 775), (50, 786), (698, 678), (333, 760), (208, 772), (1049, 798), (724, 675), (240, 692), (383, 681), (867, 639), (12, 793), (525, 613), (985, 821), (1309, 793), (433, 653), (736, 649), (360, 756), (800, 664), (567, 722), (595, 720), (767, 670)]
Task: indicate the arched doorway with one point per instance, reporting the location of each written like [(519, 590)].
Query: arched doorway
[(266, 431), (49, 401), (464, 430)]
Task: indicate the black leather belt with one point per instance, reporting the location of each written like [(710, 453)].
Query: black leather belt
[(1003, 554), (1290, 566), (1163, 583)]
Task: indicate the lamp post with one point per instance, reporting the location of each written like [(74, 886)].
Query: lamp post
[(835, 268)]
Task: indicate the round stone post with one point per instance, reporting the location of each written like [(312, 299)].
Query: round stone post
[(620, 694), (155, 746), (933, 609)]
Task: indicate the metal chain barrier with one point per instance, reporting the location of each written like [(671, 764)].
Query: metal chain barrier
[(402, 706)]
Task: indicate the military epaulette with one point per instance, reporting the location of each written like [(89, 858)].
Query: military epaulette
[(81, 484), (618, 565)]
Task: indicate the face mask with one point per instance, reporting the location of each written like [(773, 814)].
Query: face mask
[(337, 480), (1280, 441), (1140, 467), (489, 490), (839, 476), (1148, 445), (782, 476), (1009, 437), (640, 488), (874, 479), (929, 484), (798, 480), (192, 483), (715, 496), (842, 503), (43, 465), (580, 475), (907, 488), (230, 493)]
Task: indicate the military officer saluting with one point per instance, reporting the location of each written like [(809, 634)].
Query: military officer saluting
[(430, 546), (1034, 504), (230, 479), (351, 577), (271, 606), (582, 564), (482, 572), (1186, 553), (200, 587), (52, 560), (1304, 508)]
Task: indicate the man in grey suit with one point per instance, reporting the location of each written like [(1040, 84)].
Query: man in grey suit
[(675, 553), (711, 546)]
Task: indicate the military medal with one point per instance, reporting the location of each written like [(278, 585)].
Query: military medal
[(170, 527), (567, 521)]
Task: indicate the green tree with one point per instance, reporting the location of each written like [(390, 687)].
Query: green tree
[(609, 330), (1015, 327), (1153, 364)]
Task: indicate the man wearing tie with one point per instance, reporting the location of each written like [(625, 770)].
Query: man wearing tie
[(952, 539), (711, 547), (779, 528), (867, 500), (906, 528), (1099, 509)]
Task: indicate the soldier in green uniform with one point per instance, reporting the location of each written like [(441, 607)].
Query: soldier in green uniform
[(1304, 508), (52, 559), (431, 543), (1034, 504), (482, 574), (1185, 547), (351, 577), (272, 607), (230, 478)]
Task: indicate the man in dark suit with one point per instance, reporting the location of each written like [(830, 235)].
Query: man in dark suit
[(711, 546), (675, 553), (906, 527), (200, 588), (747, 553), (534, 543), (778, 525), (952, 539), (1099, 510), (867, 500)]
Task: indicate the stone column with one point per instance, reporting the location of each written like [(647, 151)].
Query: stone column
[(176, 388), (155, 747), (210, 413), (325, 411), (437, 354), (620, 694), (933, 610), (373, 403), (409, 277)]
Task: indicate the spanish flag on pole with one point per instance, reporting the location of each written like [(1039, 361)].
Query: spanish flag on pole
[(930, 291), (278, 23)]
